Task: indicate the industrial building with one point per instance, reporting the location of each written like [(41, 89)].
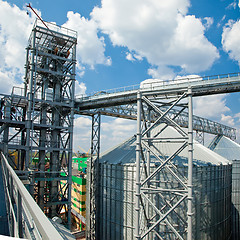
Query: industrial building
[(160, 184)]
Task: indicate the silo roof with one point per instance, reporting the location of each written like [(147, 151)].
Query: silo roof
[(228, 149), (125, 153)]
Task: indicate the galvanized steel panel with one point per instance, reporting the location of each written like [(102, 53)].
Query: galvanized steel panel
[(231, 151), (212, 202)]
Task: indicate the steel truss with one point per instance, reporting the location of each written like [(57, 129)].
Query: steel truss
[(38, 120), (200, 125), (158, 205), (200, 137), (93, 179)]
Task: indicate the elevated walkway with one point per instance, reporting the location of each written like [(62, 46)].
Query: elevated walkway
[(121, 102), (201, 86)]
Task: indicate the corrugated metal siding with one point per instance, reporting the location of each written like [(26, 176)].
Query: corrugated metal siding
[(116, 201), (236, 199), (231, 151), (212, 202)]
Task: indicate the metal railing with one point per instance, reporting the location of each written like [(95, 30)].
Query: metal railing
[(162, 84), (26, 219), (56, 28)]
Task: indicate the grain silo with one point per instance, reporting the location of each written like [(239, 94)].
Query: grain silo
[(231, 151), (212, 192)]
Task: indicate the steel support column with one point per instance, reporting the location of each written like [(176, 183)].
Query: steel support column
[(73, 75), (138, 160), (157, 204), (190, 165), (29, 81), (93, 180)]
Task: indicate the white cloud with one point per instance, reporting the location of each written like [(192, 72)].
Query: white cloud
[(208, 21), (161, 72), (90, 47), (221, 21), (80, 88), (82, 133), (210, 106), (113, 131), (194, 51), (133, 57), (231, 39), (7, 81), (239, 4), (15, 28), (138, 57), (237, 116), (130, 57), (232, 5), (160, 31), (227, 119)]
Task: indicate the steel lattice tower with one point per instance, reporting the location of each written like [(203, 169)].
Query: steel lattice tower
[(49, 88), (40, 117)]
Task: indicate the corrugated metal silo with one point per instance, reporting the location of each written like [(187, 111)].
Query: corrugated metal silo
[(212, 192), (231, 151)]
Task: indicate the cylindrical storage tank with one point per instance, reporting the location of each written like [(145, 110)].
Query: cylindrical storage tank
[(231, 151), (212, 193)]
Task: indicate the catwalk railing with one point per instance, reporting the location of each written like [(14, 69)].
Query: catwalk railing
[(201, 86), (157, 84), (26, 219)]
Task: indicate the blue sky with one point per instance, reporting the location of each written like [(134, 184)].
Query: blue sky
[(123, 42)]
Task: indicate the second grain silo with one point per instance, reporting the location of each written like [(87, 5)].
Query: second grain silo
[(231, 151), (212, 192)]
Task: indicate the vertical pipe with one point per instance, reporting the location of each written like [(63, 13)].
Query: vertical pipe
[(42, 145), (22, 157), (26, 72), (30, 100), (138, 152), (190, 165), (71, 138), (55, 155)]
